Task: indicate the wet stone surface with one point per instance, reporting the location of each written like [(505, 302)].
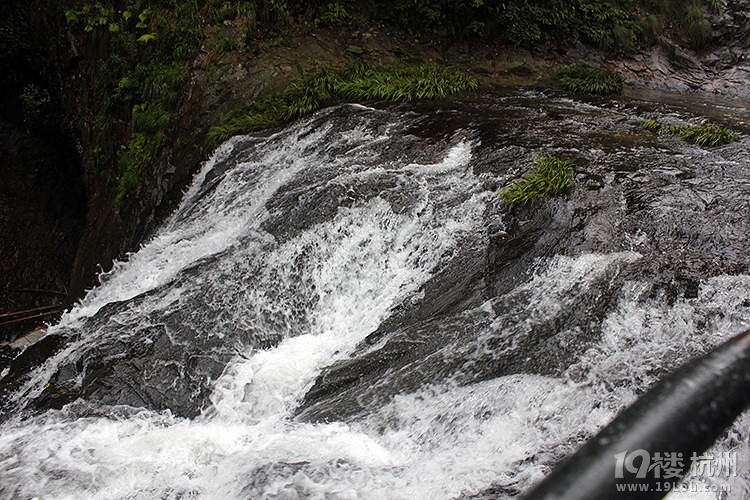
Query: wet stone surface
[(682, 208), (678, 206)]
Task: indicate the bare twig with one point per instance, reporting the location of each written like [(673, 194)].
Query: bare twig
[(16, 313), (31, 317), (36, 290)]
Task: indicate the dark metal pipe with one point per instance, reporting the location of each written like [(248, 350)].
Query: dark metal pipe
[(682, 414)]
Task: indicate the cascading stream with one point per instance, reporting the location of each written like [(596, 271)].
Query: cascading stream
[(341, 309)]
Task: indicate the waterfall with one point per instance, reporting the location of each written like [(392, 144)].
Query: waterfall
[(336, 310)]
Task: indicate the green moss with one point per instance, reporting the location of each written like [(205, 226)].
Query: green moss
[(589, 80), (552, 176), (355, 81)]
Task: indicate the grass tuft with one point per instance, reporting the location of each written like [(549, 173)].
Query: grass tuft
[(355, 81), (589, 80), (552, 176), (650, 125), (697, 28), (707, 134), (673, 129), (704, 134)]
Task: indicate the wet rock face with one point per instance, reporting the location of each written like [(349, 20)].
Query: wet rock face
[(722, 67), (488, 330), (526, 294), (676, 205), (168, 367)]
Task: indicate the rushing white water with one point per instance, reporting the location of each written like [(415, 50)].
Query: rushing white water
[(305, 295), (441, 441)]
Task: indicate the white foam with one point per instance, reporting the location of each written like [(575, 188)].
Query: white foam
[(365, 261), (439, 442), (236, 207), (458, 157), (348, 273)]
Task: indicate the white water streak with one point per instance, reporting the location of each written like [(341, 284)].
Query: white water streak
[(438, 442)]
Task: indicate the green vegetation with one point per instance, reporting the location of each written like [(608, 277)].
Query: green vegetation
[(224, 43), (707, 134), (35, 103), (589, 80), (552, 176), (333, 14), (650, 125), (703, 134), (696, 27), (138, 70), (618, 26), (136, 55), (355, 81)]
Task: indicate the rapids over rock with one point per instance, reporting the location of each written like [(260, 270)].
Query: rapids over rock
[(344, 309)]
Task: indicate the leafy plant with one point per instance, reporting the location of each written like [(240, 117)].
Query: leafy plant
[(707, 134), (589, 80), (404, 83), (35, 102), (715, 5), (673, 129), (95, 16), (223, 43), (703, 134), (335, 14), (650, 125), (552, 176), (144, 39), (697, 28), (620, 40), (648, 28), (142, 148), (521, 25)]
